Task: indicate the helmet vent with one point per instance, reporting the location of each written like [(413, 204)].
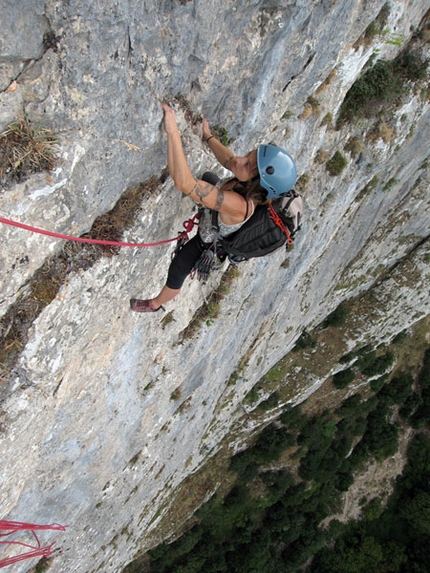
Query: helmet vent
[(270, 170)]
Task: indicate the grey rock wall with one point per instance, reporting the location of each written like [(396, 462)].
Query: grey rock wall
[(107, 412)]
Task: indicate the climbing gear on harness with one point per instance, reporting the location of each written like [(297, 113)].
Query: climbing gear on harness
[(207, 262), (277, 170), (139, 305)]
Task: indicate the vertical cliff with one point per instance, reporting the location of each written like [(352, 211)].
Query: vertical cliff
[(104, 412)]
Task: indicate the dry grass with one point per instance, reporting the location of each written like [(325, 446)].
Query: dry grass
[(326, 82), (381, 131), (24, 150), (312, 107)]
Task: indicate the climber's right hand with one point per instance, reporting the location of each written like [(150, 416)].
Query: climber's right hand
[(206, 130)]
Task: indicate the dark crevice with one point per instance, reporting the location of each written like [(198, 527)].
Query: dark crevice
[(308, 62)]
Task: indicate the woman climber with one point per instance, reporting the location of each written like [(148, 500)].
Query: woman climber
[(265, 173)]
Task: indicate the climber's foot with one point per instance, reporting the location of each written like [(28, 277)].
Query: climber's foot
[(139, 305)]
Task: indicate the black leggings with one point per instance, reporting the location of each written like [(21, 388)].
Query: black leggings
[(184, 261)]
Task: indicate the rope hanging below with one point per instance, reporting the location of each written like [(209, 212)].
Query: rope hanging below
[(11, 527)]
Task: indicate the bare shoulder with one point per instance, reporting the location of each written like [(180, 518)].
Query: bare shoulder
[(229, 203)]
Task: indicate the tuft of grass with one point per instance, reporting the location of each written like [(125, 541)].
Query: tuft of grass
[(303, 182), (24, 150), (288, 114), (326, 82), (221, 134), (369, 187), (390, 183), (176, 394), (311, 107), (167, 319), (321, 156), (354, 146), (327, 120), (375, 28), (381, 131), (336, 164)]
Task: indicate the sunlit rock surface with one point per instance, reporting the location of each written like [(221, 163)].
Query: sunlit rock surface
[(106, 411)]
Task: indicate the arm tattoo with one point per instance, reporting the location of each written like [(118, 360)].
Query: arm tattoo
[(219, 200), (203, 190)]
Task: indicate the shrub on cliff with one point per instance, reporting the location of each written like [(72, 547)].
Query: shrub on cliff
[(380, 86)]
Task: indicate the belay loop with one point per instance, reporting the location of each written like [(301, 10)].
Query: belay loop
[(278, 221)]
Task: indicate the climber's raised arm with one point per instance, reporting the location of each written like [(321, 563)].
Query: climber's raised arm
[(231, 204), (221, 152)]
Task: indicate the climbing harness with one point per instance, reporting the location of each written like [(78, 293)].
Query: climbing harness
[(182, 236), (37, 550)]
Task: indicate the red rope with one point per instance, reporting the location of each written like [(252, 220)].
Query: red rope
[(20, 526), (188, 226), (36, 550), (278, 221)]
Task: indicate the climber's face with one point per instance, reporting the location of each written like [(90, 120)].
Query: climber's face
[(245, 168)]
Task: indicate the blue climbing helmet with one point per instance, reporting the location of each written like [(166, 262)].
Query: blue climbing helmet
[(277, 170)]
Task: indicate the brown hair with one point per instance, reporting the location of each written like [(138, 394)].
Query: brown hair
[(251, 189)]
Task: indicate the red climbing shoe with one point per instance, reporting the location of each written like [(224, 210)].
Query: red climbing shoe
[(139, 305)]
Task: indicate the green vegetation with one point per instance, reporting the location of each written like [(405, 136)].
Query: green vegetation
[(305, 341), (397, 539), (338, 316), (376, 27), (176, 394), (390, 184), (327, 120), (303, 182), (381, 86), (271, 521), (287, 114), (343, 378), (336, 164), (221, 134), (369, 187), (315, 104), (354, 146)]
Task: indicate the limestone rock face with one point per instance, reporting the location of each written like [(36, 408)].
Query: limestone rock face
[(106, 412)]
